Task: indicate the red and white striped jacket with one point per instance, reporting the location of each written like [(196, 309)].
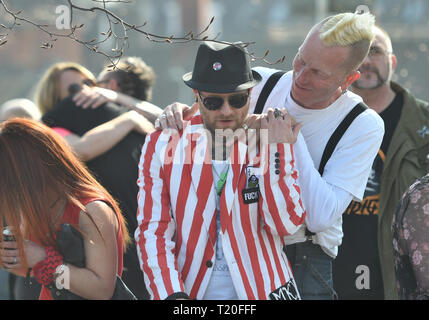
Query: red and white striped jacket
[(176, 215)]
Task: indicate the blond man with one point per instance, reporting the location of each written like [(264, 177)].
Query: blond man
[(315, 94)]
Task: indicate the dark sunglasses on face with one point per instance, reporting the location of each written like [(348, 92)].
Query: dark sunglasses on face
[(91, 83), (76, 87), (236, 101), (88, 82)]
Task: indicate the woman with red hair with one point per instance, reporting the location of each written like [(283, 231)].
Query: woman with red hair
[(43, 185)]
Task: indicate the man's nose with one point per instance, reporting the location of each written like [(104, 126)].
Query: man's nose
[(226, 109), (367, 60), (302, 75), (366, 64)]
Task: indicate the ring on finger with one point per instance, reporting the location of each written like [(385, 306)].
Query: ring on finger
[(277, 113)]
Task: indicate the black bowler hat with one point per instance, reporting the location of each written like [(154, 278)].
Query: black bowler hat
[(222, 68)]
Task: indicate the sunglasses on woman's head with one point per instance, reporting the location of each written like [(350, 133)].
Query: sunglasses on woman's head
[(236, 101)]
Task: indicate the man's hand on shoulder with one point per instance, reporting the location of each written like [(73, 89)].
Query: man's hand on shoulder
[(175, 115)]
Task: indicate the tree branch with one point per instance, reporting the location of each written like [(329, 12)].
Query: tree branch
[(121, 38)]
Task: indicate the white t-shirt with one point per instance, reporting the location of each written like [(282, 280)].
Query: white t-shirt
[(347, 171), (220, 286)]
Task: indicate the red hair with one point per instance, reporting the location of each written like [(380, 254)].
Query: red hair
[(35, 161)]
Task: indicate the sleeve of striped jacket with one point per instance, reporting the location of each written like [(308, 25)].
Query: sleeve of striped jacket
[(282, 207), (156, 226)]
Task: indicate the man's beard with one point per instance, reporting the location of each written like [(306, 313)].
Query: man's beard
[(380, 80)]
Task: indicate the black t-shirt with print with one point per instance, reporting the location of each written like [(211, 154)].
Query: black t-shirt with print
[(356, 269)]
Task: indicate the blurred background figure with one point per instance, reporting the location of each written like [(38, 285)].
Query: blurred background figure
[(116, 168), (411, 242), (23, 108), (130, 85), (14, 287), (364, 266), (108, 138), (132, 77), (66, 79), (55, 83)]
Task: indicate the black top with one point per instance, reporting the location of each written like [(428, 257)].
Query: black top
[(356, 269), (391, 116), (117, 169)]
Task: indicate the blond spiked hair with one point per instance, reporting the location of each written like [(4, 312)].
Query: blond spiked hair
[(346, 29), (352, 30)]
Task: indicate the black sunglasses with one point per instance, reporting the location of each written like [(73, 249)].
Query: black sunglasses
[(91, 83), (236, 101), (88, 82)]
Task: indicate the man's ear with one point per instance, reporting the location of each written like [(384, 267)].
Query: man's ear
[(352, 77), (394, 62)]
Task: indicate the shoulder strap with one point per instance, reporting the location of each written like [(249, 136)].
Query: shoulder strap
[(335, 138), (338, 133), (266, 90)]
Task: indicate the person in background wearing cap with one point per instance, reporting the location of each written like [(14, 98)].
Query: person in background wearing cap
[(315, 94), (212, 216)]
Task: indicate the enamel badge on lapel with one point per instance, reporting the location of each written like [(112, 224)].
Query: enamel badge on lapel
[(423, 131), (251, 193)]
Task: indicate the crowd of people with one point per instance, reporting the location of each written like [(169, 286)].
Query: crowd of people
[(274, 184)]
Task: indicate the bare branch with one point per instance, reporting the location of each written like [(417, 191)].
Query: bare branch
[(121, 38)]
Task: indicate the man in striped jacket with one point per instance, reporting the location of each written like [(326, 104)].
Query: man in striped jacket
[(212, 215)]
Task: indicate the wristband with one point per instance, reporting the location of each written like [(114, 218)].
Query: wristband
[(45, 269)]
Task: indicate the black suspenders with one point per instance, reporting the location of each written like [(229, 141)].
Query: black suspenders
[(266, 90), (335, 137), (338, 133)]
